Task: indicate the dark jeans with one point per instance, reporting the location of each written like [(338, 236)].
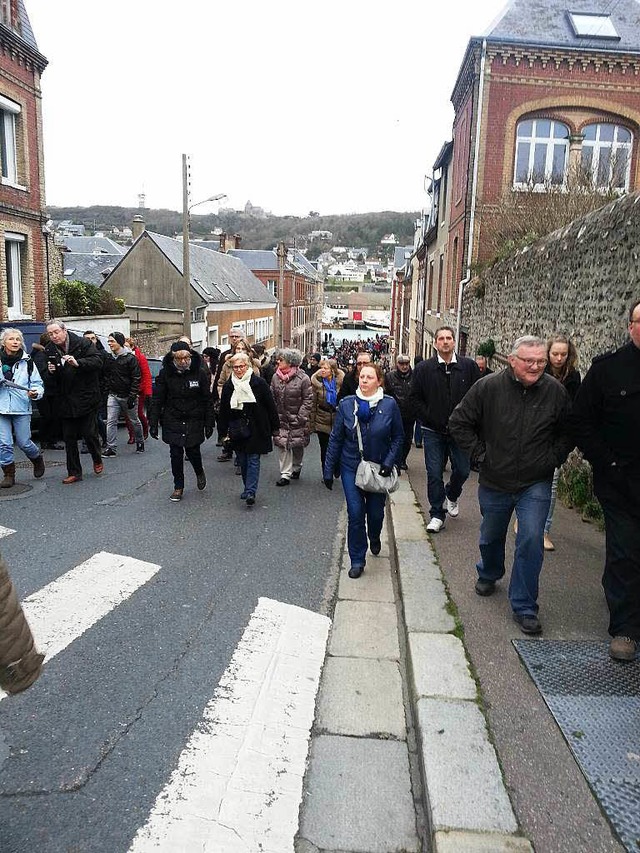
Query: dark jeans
[(250, 468), (72, 430), (408, 426), (49, 427), (177, 454), (532, 507), (620, 500), (436, 449), (361, 507), (323, 441), (418, 434)]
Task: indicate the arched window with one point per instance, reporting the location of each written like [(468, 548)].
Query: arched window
[(606, 155), (542, 148)]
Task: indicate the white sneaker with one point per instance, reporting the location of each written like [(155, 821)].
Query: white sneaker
[(435, 525), (452, 507)]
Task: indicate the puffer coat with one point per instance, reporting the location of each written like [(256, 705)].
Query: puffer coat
[(294, 400), (182, 402), (323, 416), (20, 662)]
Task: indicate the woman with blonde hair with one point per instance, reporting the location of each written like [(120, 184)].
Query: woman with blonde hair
[(326, 383)]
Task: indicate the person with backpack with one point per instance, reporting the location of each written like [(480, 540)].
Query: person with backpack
[(20, 383)]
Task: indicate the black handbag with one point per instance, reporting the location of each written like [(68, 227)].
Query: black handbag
[(239, 430)]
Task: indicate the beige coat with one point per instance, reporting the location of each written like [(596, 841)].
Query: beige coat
[(20, 663)]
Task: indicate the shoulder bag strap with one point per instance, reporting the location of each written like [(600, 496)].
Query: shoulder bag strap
[(355, 417)]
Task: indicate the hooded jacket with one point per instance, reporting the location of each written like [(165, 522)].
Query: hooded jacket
[(13, 401), (182, 402), (123, 373)]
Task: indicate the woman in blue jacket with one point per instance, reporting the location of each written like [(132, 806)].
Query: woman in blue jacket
[(18, 369), (382, 437)]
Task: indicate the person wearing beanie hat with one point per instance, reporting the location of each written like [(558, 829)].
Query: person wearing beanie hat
[(182, 401), (123, 378)]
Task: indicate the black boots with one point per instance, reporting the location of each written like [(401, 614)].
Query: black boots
[(38, 467)]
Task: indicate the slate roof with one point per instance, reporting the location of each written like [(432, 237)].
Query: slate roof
[(256, 259), (546, 23), (93, 245), (214, 245), (214, 276), (401, 256), (86, 267), (303, 264)]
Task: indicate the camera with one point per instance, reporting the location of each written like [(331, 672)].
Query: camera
[(55, 360)]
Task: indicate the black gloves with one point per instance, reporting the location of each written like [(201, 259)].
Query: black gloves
[(153, 432), (328, 483), (131, 401), (385, 471), (208, 431)]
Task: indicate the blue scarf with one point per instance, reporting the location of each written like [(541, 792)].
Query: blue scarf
[(364, 411), (330, 392)]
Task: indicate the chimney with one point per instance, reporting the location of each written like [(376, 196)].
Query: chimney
[(137, 226), (227, 242)]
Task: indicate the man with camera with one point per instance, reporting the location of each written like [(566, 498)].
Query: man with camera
[(123, 383), (72, 379)]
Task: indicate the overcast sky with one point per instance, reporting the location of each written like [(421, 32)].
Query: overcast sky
[(339, 107)]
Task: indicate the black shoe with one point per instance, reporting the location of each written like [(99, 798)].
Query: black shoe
[(282, 482), (356, 571), (140, 447), (201, 480), (295, 475), (225, 457), (485, 587), (251, 500), (109, 453), (375, 547), (176, 495), (418, 446), (528, 623)]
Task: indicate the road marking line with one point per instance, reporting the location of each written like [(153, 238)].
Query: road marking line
[(238, 784), (5, 531)]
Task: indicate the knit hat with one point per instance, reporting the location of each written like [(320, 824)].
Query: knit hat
[(316, 356), (119, 337), (180, 345)]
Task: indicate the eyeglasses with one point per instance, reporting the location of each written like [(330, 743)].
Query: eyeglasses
[(182, 358), (533, 362)]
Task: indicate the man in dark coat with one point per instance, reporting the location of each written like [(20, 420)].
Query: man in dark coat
[(350, 381), (73, 380), (397, 384), (439, 384), (606, 426), (182, 401)]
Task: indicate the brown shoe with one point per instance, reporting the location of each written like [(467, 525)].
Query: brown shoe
[(548, 544), (9, 478), (176, 495), (622, 648), (71, 479), (38, 467)]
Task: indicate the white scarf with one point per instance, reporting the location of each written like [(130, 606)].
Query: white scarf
[(374, 399), (242, 392)]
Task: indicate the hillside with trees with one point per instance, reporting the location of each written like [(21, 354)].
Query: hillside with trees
[(257, 232)]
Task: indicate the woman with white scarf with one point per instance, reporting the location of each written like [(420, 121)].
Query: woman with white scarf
[(380, 423), (247, 419)]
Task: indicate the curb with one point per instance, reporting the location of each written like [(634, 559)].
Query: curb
[(466, 800)]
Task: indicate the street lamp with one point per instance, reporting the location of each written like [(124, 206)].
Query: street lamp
[(186, 272)]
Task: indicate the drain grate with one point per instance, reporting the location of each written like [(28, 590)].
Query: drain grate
[(596, 703)]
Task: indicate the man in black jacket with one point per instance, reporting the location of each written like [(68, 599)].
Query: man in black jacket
[(123, 383), (397, 384), (350, 382), (438, 385), (606, 427), (72, 379), (513, 424)]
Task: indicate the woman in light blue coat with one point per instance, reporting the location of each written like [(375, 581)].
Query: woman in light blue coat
[(20, 383)]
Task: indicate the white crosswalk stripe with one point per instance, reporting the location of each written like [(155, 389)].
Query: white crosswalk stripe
[(238, 784), (5, 531)]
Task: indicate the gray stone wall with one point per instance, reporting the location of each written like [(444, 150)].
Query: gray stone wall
[(579, 280)]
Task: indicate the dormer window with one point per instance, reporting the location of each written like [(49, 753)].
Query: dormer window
[(593, 26)]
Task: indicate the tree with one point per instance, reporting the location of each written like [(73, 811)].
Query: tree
[(80, 299)]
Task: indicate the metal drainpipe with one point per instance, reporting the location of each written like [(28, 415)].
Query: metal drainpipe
[(474, 187)]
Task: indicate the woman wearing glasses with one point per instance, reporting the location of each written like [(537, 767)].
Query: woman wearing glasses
[(247, 419)]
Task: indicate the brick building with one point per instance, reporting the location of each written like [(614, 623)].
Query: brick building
[(26, 253), (550, 91)]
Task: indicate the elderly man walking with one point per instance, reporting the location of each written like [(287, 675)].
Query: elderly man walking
[(606, 426), (513, 424)]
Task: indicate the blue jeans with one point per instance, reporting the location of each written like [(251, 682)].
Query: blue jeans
[(436, 449), (22, 429), (531, 506), (361, 507), (554, 495), (250, 468)]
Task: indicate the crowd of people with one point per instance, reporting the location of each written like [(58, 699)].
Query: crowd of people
[(515, 427)]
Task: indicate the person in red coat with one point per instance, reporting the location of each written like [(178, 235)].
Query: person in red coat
[(145, 392)]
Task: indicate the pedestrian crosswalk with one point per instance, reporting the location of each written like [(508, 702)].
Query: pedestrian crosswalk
[(5, 531), (237, 785)]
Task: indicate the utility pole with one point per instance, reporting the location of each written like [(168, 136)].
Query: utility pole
[(186, 272)]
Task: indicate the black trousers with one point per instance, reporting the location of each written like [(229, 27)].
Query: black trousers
[(323, 441), (408, 426), (75, 428), (620, 500), (177, 453), (49, 427)]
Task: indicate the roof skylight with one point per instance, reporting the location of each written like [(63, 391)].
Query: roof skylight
[(593, 25)]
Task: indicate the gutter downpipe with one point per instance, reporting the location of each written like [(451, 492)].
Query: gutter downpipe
[(474, 190)]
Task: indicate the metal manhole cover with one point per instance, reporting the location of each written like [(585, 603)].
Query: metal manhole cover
[(596, 703)]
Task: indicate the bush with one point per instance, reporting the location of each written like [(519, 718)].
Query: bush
[(575, 488), (79, 299), (487, 348)]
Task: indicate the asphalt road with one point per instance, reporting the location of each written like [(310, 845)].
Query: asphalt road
[(85, 752)]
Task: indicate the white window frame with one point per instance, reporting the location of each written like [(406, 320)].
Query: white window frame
[(224, 341), (614, 146), (550, 142), (592, 25), (272, 287), (212, 336), (250, 328), (13, 263), (9, 141), (270, 326)]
